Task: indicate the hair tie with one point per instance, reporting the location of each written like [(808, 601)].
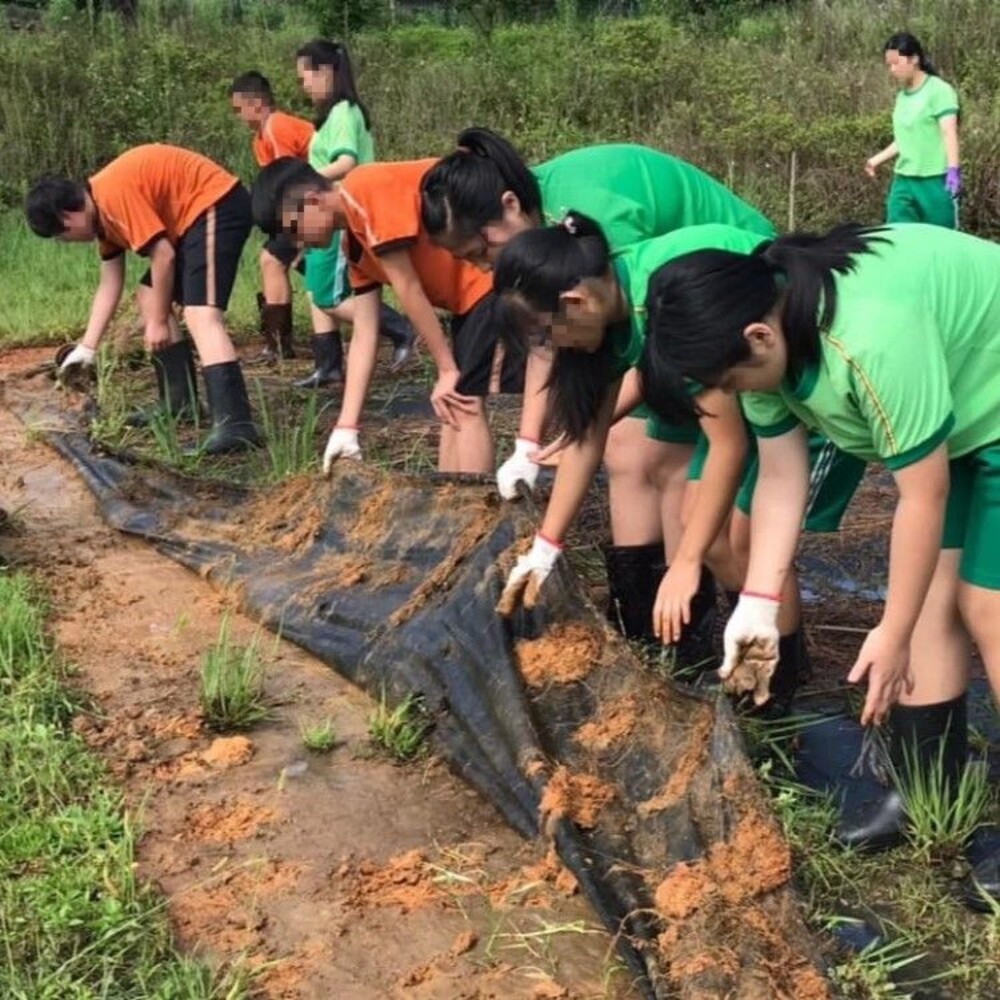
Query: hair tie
[(569, 224)]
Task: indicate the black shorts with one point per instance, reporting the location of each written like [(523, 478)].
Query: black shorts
[(486, 364), (282, 247), (208, 254)]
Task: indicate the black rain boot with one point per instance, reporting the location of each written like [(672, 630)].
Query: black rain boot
[(177, 386), (233, 428), (269, 352), (328, 355), (980, 889), (920, 734), (696, 650), (400, 331), (634, 575), (276, 326)]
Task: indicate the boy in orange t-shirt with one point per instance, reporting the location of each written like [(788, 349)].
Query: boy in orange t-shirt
[(378, 204), (275, 134), (190, 218)]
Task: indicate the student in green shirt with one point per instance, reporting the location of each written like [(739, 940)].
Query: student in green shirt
[(888, 342), (483, 194), (567, 287), (342, 141), (928, 178)]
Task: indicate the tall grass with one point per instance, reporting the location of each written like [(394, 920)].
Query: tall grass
[(784, 103)]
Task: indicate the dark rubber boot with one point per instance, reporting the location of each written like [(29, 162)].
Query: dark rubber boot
[(920, 735), (328, 355), (177, 386), (634, 575), (233, 428), (980, 889), (276, 325), (400, 331)]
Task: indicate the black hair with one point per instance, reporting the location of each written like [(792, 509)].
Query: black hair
[(318, 53), (278, 184), (532, 272), (699, 304), (908, 45), (48, 198), (253, 84), (463, 192)]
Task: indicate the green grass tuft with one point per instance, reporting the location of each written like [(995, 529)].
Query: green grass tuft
[(232, 683)]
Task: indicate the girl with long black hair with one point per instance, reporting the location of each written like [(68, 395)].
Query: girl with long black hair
[(888, 342), (564, 282), (928, 177), (480, 196)]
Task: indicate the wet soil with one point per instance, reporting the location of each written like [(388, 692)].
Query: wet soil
[(338, 875)]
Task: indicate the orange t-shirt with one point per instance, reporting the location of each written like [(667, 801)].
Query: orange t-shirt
[(382, 205), (282, 135), (155, 190)]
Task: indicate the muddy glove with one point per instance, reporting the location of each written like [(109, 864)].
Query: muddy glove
[(80, 357), (750, 643), (518, 468), (529, 573), (953, 181), (342, 443)]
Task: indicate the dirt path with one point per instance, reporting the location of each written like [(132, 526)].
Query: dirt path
[(343, 876)]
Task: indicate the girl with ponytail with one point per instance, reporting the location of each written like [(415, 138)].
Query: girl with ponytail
[(886, 341), (477, 199), (928, 178)]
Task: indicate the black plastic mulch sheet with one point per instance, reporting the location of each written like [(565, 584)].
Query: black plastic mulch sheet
[(643, 789)]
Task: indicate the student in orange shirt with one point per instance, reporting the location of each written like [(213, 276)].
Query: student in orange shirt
[(378, 204), (275, 134), (190, 218)]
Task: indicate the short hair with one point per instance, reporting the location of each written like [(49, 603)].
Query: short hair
[(279, 182), (48, 199), (253, 84)]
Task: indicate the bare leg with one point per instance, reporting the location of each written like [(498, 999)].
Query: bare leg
[(274, 279), (469, 447)]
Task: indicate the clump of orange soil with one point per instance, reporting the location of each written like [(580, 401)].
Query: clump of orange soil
[(228, 751), (566, 653), (755, 860), (405, 881), (683, 891), (224, 823), (289, 518), (524, 887), (616, 721), (754, 671), (577, 797), (687, 767)]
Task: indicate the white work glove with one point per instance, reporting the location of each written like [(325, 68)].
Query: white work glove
[(750, 645), (81, 356), (342, 443), (518, 468), (529, 573)]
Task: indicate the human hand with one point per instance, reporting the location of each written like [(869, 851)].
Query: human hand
[(672, 609), (529, 573), (519, 468), (342, 443), (885, 660), (445, 399)]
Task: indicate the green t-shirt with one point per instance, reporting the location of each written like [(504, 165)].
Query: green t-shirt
[(636, 265), (912, 358), (637, 193), (916, 127), (343, 133)]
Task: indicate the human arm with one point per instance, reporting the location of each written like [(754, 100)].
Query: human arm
[(913, 553), (579, 463), (162, 259), (949, 133), (883, 156), (362, 353), (725, 430), (406, 284), (339, 168), (521, 467), (630, 395)]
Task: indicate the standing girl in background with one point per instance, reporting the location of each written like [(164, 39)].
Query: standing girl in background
[(341, 142), (928, 178)]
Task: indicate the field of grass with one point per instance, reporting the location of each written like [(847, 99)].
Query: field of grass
[(75, 920)]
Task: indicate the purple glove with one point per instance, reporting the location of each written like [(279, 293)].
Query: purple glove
[(953, 181)]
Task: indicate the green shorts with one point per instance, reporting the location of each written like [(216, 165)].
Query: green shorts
[(326, 274), (658, 429), (833, 479), (921, 199), (972, 517)]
